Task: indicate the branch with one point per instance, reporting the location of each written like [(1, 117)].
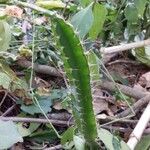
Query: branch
[(8, 110), (132, 92), (139, 129), (105, 120), (136, 106), (35, 120), (144, 97), (124, 47), (43, 69)]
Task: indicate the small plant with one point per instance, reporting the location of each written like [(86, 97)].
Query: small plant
[(77, 69), (78, 39)]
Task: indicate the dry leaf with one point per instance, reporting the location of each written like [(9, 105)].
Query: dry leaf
[(18, 146), (40, 20), (100, 104), (57, 105), (144, 80), (139, 87), (14, 11), (20, 93), (42, 91)]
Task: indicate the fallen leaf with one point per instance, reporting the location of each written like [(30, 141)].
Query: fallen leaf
[(100, 104), (139, 87), (40, 20), (26, 130), (9, 134), (18, 146), (14, 11), (57, 105), (144, 81), (44, 102)]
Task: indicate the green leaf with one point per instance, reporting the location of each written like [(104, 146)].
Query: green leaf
[(93, 66), (118, 78), (142, 54), (44, 102), (16, 30), (131, 13), (112, 15), (5, 35), (47, 135), (2, 14), (4, 67), (67, 136), (9, 134), (5, 80), (110, 141), (25, 131), (4, 1), (58, 94), (83, 20), (99, 12), (132, 30), (140, 5), (144, 143), (85, 2), (116, 143), (79, 143), (52, 4)]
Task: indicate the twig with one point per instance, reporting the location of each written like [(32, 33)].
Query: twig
[(104, 119), (139, 129), (4, 97), (136, 106), (63, 123), (8, 110), (124, 47), (132, 62), (13, 97), (57, 147), (44, 69), (24, 30), (20, 119), (25, 25), (67, 3), (121, 129), (132, 92)]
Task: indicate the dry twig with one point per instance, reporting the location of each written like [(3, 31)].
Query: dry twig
[(124, 47), (43, 69), (132, 92), (8, 110), (36, 120), (136, 106), (57, 147), (139, 129)]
